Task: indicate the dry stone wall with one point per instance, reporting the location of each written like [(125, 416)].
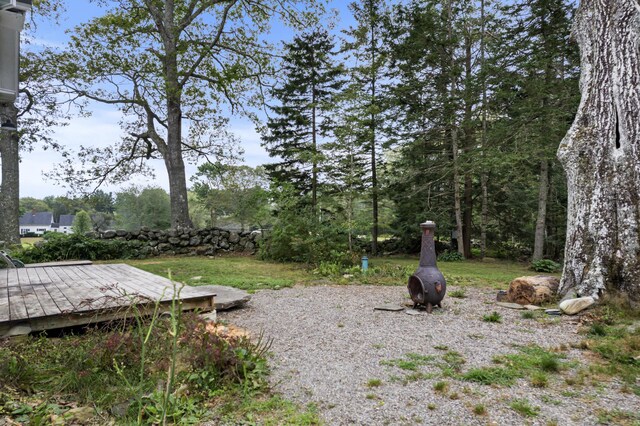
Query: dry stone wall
[(193, 242)]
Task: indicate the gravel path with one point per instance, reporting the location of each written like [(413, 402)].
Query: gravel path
[(329, 344)]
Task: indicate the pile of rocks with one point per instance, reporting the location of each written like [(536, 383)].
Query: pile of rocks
[(201, 242)]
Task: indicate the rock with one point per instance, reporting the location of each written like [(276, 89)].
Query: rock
[(573, 306), (510, 305), (174, 240), (227, 297), (121, 409), (121, 233), (532, 307), (392, 308), (501, 296), (234, 237), (532, 290), (553, 311), (80, 415), (210, 316), (571, 294), (412, 312), (198, 278), (108, 234)]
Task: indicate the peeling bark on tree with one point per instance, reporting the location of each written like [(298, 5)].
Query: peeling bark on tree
[(601, 154), (10, 182)]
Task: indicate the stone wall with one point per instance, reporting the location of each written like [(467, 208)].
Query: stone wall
[(193, 242)]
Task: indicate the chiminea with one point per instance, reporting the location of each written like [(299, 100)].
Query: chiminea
[(427, 285)]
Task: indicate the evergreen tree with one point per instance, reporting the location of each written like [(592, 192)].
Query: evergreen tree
[(303, 116), (368, 50)]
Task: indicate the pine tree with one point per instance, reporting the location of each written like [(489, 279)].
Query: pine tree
[(303, 117), (368, 49)]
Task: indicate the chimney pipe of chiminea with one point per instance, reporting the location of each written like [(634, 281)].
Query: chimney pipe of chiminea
[(427, 285)]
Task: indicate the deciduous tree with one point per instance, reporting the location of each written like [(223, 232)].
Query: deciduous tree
[(601, 154)]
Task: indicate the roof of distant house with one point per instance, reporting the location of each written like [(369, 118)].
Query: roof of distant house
[(36, 219), (66, 219)]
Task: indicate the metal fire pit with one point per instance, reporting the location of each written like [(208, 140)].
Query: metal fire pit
[(427, 285)]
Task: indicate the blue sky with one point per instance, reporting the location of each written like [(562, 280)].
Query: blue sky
[(101, 128)]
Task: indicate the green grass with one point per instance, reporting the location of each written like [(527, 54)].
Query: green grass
[(488, 273), (524, 408), (492, 317), (440, 386), (250, 273), (29, 241), (458, 293), (479, 410), (374, 383), (532, 361), (410, 362), (247, 273)]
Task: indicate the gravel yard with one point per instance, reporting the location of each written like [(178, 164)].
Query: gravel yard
[(332, 349)]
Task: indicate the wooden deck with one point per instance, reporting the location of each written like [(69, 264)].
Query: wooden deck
[(42, 298)]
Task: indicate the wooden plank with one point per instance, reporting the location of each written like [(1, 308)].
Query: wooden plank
[(4, 295), (101, 297), (129, 276), (120, 290), (61, 263), (17, 307), (152, 280), (55, 293), (83, 297), (41, 291), (34, 309), (64, 288)]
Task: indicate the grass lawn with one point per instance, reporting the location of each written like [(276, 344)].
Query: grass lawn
[(247, 273), (29, 241), (250, 273)]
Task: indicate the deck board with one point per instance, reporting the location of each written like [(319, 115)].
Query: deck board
[(4, 296), (41, 298)]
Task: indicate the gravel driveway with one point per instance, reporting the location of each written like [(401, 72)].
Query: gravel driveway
[(331, 348)]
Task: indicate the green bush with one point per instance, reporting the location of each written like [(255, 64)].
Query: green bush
[(545, 265), (450, 256), (56, 247), (299, 236)]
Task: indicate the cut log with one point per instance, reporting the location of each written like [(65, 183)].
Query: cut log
[(533, 290)]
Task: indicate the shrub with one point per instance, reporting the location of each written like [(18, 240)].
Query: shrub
[(299, 236), (545, 265), (57, 247), (450, 256)]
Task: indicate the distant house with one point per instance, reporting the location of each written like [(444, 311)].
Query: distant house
[(64, 225), (40, 222)]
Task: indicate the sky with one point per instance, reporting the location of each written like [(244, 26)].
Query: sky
[(101, 127)]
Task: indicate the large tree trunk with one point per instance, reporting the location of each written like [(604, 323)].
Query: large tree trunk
[(173, 156), (10, 183), (601, 154), (543, 192)]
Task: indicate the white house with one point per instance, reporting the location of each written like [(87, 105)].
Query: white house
[(41, 222)]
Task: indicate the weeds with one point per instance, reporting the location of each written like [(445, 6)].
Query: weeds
[(479, 410), (492, 317), (158, 369), (458, 293), (374, 383), (524, 408)]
